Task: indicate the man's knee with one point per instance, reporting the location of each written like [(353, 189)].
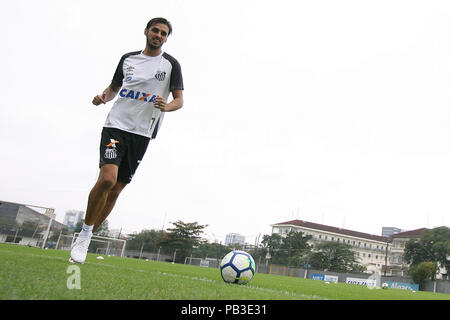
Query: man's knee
[(116, 190), (108, 177), (106, 183)]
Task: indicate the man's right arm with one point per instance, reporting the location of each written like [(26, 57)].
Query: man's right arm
[(107, 95)]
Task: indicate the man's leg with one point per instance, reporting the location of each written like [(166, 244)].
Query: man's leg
[(98, 196), (136, 147), (110, 202), (97, 200)]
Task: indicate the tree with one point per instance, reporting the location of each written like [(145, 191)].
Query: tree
[(334, 256), (210, 250), (296, 249), (149, 240), (78, 226), (271, 244), (183, 238), (423, 271), (291, 250), (434, 245)]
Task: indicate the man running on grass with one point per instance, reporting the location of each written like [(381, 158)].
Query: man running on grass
[(143, 80)]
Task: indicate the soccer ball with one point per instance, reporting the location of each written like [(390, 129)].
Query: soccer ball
[(384, 285), (237, 267)]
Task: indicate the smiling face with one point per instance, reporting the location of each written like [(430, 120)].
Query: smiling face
[(156, 35)]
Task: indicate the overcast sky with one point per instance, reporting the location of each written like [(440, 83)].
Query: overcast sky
[(334, 112)]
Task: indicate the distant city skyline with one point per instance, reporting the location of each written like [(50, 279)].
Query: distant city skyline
[(72, 217), (234, 238)]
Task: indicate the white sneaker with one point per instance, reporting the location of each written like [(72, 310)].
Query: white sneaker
[(79, 250)]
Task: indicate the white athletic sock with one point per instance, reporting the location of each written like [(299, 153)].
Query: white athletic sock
[(86, 231)]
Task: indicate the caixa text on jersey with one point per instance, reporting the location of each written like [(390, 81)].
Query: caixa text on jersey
[(137, 95)]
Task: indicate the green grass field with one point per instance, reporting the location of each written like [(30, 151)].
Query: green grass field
[(28, 273)]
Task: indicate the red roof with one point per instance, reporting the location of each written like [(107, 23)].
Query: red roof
[(412, 233), (317, 226)]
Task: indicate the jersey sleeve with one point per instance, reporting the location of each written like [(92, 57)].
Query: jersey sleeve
[(176, 77), (118, 75)]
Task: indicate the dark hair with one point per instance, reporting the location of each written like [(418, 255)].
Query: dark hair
[(159, 20)]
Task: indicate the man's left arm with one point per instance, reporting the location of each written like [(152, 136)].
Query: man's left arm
[(173, 105)]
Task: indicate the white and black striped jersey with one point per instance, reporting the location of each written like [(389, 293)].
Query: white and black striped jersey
[(141, 78)]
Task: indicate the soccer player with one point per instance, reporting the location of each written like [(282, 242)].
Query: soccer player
[(143, 80)]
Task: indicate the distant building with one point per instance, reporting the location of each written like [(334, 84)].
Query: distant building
[(398, 266), (234, 238), (72, 217), (372, 251), (13, 218), (16, 214), (389, 231)]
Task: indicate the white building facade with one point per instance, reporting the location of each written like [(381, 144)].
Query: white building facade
[(234, 238), (372, 251)]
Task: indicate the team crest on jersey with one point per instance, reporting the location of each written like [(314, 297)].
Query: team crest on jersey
[(160, 75), (111, 151)]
